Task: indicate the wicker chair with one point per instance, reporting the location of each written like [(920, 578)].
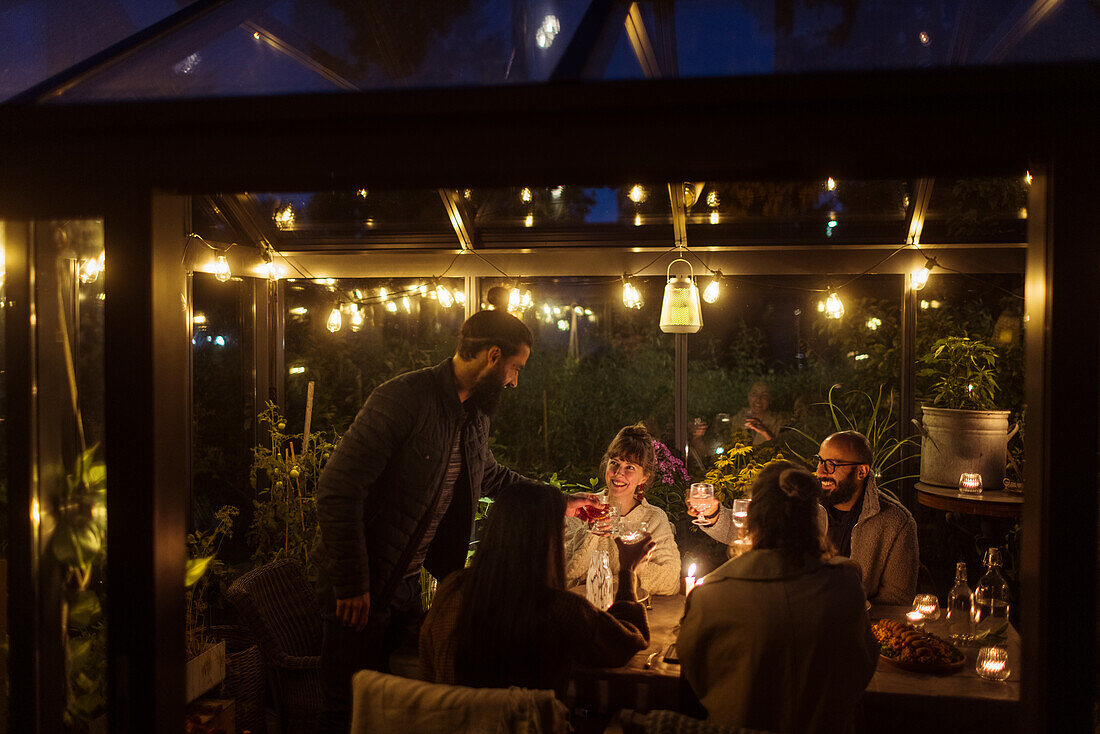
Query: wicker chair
[(277, 604)]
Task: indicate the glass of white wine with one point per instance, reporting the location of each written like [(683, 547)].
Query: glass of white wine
[(740, 512), (700, 493)]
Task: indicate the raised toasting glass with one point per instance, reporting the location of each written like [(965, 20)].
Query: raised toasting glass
[(740, 512), (699, 496)]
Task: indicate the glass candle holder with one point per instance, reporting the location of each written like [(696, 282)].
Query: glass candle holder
[(992, 663), (928, 605), (915, 618), (970, 483)]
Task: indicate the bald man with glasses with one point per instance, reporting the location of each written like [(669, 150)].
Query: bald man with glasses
[(862, 523)]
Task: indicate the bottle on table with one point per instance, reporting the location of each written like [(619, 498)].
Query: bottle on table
[(960, 604), (599, 588), (991, 598)]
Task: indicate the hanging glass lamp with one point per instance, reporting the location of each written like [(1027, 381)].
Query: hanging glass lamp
[(680, 310)]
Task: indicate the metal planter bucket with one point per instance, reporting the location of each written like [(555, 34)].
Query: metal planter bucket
[(957, 441)]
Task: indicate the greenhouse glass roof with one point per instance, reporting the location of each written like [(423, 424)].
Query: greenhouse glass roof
[(159, 49)]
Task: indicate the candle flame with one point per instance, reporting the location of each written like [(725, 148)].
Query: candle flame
[(691, 570)]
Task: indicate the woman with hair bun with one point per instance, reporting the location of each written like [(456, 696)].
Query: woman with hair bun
[(779, 639), (628, 467)]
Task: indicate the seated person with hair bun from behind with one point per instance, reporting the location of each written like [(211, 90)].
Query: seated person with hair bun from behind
[(628, 466), (779, 639)]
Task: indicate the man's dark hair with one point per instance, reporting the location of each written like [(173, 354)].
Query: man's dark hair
[(857, 443), (504, 612), (487, 329)]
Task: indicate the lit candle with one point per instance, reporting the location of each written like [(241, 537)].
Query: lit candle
[(689, 580), (992, 663), (914, 617), (970, 483)]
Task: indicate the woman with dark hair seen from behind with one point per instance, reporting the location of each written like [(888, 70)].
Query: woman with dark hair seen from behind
[(507, 619), (628, 468), (779, 639)]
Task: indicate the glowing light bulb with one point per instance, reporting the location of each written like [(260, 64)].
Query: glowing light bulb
[(924, 304), (919, 278), (563, 325), (712, 200), (547, 32), (714, 217), (821, 306), (831, 184), (89, 270), (335, 321), (391, 306), (710, 293), (632, 297), (284, 217), (925, 39), (529, 221), (299, 310), (383, 295), (356, 317), (460, 296), (834, 308), (873, 323), (198, 319), (423, 289), (362, 193), (513, 299), (557, 191), (446, 300), (637, 220), (221, 269), (406, 304), (525, 195), (637, 194)]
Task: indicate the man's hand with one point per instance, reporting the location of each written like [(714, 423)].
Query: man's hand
[(353, 612), (580, 499)]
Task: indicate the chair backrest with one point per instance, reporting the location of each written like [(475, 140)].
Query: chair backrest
[(277, 603)]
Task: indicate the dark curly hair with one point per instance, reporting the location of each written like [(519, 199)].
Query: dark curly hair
[(783, 511), (634, 444)]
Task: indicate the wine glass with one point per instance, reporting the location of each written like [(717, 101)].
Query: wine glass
[(740, 512), (700, 491), (634, 534)]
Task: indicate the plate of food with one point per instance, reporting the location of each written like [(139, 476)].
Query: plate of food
[(909, 648)]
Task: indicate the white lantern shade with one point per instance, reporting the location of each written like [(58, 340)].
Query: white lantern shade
[(680, 310)]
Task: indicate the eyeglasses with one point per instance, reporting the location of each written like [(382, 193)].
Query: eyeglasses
[(831, 464)]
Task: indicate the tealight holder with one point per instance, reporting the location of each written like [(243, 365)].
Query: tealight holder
[(915, 618), (992, 663), (970, 483), (928, 605)]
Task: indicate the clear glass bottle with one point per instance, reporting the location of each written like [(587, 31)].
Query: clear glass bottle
[(960, 605), (599, 588), (991, 598)]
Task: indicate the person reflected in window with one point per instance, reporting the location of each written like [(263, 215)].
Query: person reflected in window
[(779, 639), (507, 620), (628, 467), (757, 418), (700, 454)]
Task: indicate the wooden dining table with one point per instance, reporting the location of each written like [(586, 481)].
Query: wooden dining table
[(895, 700)]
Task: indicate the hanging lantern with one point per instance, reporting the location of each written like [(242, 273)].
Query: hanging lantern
[(680, 310)]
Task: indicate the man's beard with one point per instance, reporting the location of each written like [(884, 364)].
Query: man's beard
[(843, 491), (488, 390)]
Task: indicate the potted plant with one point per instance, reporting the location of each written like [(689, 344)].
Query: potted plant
[(961, 428)]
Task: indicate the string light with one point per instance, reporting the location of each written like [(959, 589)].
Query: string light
[(637, 194), (710, 293), (221, 269), (335, 321), (831, 184), (525, 195), (391, 306), (834, 308), (873, 323), (284, 217), (632, 297), (712, 199), (530, 220), (406, 304), (299, 310), (383, 295), (446, 300), (714, 217), (919, 277), (460, 296), (356, 317)]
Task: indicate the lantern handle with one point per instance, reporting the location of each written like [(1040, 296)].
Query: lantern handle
[(668, 270)]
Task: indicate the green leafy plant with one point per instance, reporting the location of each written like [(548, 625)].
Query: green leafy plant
[(874, 418), (961, 374), (202, 566), (78, 544), (738, 466), (284, 521)]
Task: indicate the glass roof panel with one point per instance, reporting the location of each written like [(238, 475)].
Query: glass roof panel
[(571, 215), (784, 213), (973, 210), (31, 33), (289, 46), (717, 38)]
